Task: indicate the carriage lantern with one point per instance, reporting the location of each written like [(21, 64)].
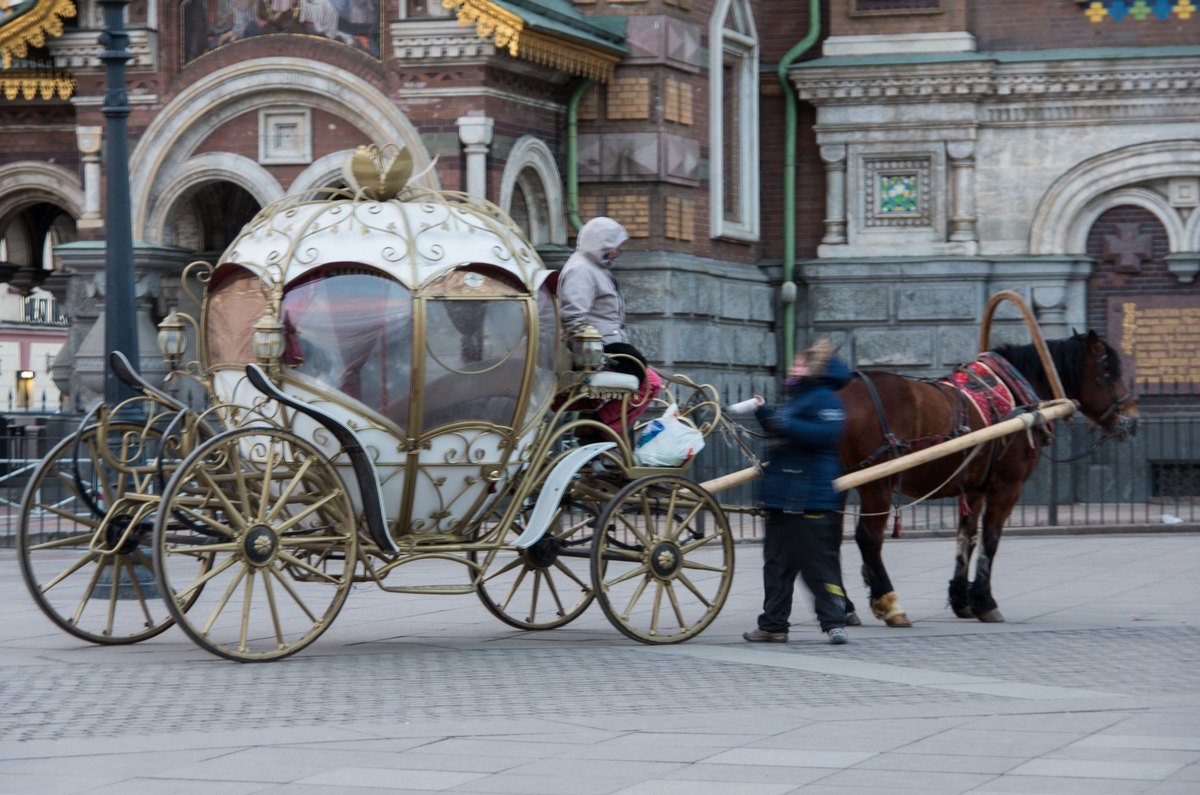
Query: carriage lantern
[(172, 343)]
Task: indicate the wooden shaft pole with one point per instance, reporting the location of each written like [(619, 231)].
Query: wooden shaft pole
[(1018, 423), (1051, 411)]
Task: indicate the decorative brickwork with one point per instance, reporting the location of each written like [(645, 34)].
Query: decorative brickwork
[(677, 101), (633, 211), (679, 218), (590, 207), (629, 98)]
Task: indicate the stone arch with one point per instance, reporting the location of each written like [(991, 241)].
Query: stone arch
[(263, 82), (321, 172), (177, 179), (27, 182), (531, 165), (1056, 223), (1148, 200)]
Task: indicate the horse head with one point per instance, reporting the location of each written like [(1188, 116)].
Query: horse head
[(1102, 394)]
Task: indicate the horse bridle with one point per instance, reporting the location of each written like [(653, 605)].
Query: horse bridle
[(1103, 375)]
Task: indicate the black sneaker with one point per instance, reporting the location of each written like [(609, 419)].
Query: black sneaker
[(762, 636), (837, 636), (852, 619)]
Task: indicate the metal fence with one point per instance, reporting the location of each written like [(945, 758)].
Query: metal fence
[(1150, 481)]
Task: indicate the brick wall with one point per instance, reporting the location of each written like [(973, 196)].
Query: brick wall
[(1110, 279), (873, 17)]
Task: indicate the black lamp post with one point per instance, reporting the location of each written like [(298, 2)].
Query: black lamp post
[(120, 326)]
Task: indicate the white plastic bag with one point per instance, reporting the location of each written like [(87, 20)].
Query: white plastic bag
[(668, 441)]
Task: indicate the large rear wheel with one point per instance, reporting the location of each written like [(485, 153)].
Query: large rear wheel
[(84, 534), (662, 559), (272, 514)]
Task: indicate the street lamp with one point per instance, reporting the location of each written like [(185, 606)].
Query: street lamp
[(120, 326)]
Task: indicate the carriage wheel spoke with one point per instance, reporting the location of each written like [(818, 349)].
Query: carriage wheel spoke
[(512, 591), (562, 609), (287, 586), (685, 522), (270, 590), (683, 627), (637, 594), (246, 598), (200, 581), (72, 541), (194, 514), (687, 583), (295, 561), (512, 564), (285, 496), (687, 549), (233, 513), (629, 575), (74, 567), (305, 512), (657, 609), (691, 564), (558, 564), (637, 532), (224, 600), (113, 590), (647, 512), (267, 474), (537, 584), (137, 589)]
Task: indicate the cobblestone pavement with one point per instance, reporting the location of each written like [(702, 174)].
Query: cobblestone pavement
[(1091, 686)]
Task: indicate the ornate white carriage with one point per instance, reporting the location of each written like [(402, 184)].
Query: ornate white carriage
[(386, 384)]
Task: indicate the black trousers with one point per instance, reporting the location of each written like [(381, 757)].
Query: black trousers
[(623, 365), (804, 545)]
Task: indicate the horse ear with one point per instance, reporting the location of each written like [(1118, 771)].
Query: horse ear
[(1094, 343)]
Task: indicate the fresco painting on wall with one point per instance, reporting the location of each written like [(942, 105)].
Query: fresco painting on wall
[(209, 24)]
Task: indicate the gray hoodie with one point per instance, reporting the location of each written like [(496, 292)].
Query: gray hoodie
[(587, 293)]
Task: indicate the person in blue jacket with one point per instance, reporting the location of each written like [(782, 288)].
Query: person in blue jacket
[(803, 512)]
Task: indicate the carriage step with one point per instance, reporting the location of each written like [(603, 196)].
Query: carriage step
[(438, 589)]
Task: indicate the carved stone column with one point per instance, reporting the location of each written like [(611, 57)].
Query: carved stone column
[(962, 176), (475, 132), (834, 158), (89, 140)]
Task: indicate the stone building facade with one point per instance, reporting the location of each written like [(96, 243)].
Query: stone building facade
[(944, 150)]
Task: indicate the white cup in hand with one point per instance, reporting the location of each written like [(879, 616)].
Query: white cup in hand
[(745, 407)]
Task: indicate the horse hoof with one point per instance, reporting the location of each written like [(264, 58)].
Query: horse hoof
[(963, 612), (993, 616), (899, 620)]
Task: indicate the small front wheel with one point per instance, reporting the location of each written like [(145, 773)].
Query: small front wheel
[(271, 515), (662, 559)]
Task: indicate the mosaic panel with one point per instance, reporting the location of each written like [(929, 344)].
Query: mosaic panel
[(1138, 10), (897, 192)]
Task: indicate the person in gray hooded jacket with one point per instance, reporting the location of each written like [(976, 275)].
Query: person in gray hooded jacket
[(588, 294)]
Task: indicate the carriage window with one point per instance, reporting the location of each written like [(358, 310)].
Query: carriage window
[(237, 298), (352, 331), (475, 348)]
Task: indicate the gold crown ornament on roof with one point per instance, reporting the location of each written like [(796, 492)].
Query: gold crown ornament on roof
[(379, 173)]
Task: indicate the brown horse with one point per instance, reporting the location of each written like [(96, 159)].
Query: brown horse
[(905, 414)]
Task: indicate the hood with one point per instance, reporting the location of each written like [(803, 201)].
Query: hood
[(598, 236)]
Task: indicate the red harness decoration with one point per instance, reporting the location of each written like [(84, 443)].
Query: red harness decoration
[(989, 393)]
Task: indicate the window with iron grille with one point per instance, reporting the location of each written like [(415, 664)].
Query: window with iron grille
[(1175, 479)]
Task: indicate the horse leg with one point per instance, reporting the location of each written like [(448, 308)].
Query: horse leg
[(868, 533), (983, 605), (964, 547)]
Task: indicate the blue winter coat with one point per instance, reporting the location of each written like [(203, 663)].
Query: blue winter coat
[(803, 441)]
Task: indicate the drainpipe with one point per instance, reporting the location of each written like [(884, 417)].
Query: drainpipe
[(788, 288), (573, 154)]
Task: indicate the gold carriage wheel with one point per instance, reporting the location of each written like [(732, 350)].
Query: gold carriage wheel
[(547, 585), (662, 559), (272, 513), (84, 535)]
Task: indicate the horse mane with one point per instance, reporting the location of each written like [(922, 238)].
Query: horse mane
[(1069, 356)]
